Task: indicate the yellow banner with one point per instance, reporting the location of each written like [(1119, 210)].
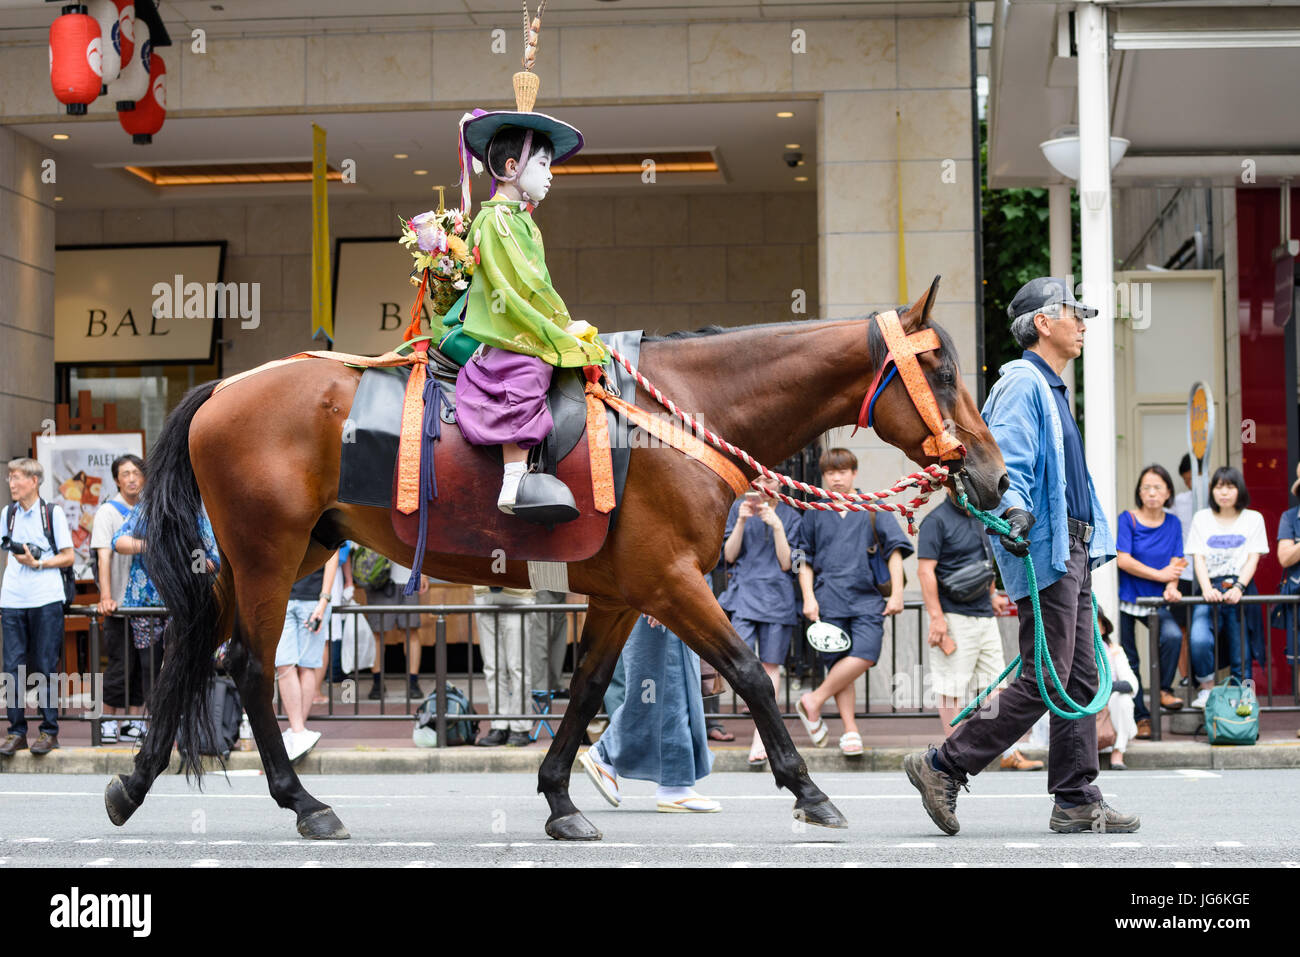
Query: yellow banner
[(322, 309)]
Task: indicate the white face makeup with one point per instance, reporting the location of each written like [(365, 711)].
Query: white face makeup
[(536, 179)]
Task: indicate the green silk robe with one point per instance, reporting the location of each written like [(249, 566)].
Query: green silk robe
[(530, 317)]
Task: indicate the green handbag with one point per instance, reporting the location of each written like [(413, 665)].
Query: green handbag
[(456, 343), (1232, 714)]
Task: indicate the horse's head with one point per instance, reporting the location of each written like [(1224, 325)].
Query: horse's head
[(897, 420)]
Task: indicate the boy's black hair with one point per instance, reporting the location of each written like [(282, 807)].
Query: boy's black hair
[(123, 459), (1227, 475), (508, 142), (1158, 470), (1185, 464)]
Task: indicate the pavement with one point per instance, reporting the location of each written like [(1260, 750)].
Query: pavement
[(1190, 818)]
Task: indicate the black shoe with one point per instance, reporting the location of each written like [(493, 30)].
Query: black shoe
[(495, 738), (416, 693), (45, 743), (376, 690), (544, 500), (12, 743), (518, 739)]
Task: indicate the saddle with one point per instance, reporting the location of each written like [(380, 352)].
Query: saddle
[(462, 518)]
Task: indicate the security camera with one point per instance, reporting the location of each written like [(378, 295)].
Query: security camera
[(793, 158)]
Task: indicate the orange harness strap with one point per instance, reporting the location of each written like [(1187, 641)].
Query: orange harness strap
[(679, 439), (903, 350)]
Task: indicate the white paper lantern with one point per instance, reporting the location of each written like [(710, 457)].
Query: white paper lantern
[(105, 14), (133, 82)]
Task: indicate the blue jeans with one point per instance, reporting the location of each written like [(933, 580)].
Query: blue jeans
[(1201, 645), (33, 638), (1171, 645)]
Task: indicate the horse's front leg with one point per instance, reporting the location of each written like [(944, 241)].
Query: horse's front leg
[(603, 636), (690, 610)]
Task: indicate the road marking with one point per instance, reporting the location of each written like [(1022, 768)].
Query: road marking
[(1228, 844), (32, 840), (851, 864), (415, 864), (206, 862), (100, 862), (736, 864), (1181, 864), (225, 843), (1284, 863), (1194, 773), (632, 864), (311, 864), (88, 840), (524, 864), (1070, 864), (711, 845), (1123, 844), (1021, 845), (131, 840), (960, 864)]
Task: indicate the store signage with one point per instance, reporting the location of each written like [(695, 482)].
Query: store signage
[(373, 296), (107, 307)]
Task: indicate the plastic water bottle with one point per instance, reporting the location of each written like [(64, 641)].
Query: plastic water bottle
[(245, 734)]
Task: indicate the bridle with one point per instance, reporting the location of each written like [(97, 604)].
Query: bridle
[(901, 360)]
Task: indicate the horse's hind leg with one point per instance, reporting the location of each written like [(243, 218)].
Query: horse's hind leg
[(252, 662), (687, 606), (603, 636)]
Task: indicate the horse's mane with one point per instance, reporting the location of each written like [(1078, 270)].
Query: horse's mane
[(875, 340)]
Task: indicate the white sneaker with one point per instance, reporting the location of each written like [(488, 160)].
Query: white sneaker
[(107, 731), (299, 744), (1199, 701)]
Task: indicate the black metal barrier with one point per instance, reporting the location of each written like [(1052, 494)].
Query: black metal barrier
[(1290, 605), (802, 661)]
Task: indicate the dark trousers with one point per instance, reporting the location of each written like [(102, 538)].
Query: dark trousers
[(33, 638), (1171, 646), (123, 678), (1072, 757)]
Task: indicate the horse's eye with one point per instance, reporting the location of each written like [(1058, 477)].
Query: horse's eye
[(946, 377)]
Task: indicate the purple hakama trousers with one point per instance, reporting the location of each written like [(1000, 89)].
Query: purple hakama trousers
[(501, 398)]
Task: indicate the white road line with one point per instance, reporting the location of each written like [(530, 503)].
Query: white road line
[(224, 843), (851, 864), (1071, 864), (100, 862), (1228, 844), (131, 840), (311, 864), (960, 864), (737, 864), (88, 840), (32, 840), (711, 845), (1181, 864), (1192, 773), (524, 864), (1021, 845), (1284, 863), (206, 862), (1123, 844)]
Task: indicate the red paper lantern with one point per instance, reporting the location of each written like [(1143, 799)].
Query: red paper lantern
[(126, 28), (151, 110), (76, 49)]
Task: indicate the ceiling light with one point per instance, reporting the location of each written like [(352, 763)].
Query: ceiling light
[(801, 179), (210, 174), (420, 172), (400, 156), (59, 136), (792, 146), (58, 199), (784, 115)]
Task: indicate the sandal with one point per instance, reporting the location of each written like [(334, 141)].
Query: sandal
[(605, 784), (817, 730), (851, 744), (719, 733), (757, 753)]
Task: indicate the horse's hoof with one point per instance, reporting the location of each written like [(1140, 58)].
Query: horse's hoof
[(572, 827), (322, 825), (822, 813), (117, 802)]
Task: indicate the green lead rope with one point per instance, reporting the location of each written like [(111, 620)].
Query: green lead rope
[(1071, 710)]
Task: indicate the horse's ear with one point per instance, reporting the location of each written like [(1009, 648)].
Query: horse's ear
[(919, 313)]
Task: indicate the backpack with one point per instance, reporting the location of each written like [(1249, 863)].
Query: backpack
[(1232, 714), (47, 526), (458, 732), (224, 713), (369, 568)]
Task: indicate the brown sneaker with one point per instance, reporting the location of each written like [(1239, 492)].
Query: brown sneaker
[(938, 790), (45, 743), (1015, 761), (1144, 729), (12, 743), (1098, 817)]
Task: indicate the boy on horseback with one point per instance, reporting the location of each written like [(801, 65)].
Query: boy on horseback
[(512, 308)]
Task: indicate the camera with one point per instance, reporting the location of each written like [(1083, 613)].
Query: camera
[(10, 546), (793, 158)]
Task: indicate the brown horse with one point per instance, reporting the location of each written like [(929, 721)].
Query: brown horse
[(264, 457)]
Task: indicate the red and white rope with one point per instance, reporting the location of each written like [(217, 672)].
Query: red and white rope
[(927, 480)]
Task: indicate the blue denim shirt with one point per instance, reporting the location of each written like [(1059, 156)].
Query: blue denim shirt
[(1021, 413)]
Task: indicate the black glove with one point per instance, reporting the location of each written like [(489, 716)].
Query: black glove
[(1122, 687), (1021, 522)]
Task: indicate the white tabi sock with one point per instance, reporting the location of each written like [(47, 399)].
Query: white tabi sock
[(514, 471)]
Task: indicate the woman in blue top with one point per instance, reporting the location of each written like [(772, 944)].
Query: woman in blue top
[(760, 585), (1149, 549), (141, 592)]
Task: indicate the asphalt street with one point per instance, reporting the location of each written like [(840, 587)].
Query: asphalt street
[(1191, 818)]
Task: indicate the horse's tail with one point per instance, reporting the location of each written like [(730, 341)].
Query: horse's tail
[(176, 562)]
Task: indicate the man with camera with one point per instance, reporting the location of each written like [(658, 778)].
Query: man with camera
[(37, 539)]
